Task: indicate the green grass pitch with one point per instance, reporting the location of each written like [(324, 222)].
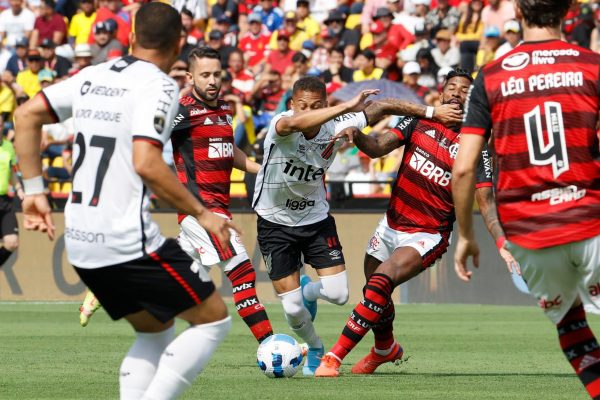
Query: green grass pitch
[(453, 352)]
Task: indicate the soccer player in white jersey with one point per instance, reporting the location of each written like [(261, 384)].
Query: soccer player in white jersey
[(290, 199), (121, 112)]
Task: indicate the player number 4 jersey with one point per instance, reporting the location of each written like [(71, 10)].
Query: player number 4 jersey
[(290, 186), (107, 218)]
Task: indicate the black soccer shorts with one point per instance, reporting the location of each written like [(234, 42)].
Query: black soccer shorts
[(161, 283), (283, 246)]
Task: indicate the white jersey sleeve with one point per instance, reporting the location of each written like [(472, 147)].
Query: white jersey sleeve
[(158, 96), (358, 120), (59, 97)]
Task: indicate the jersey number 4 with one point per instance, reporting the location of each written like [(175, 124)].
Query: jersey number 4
[(107, 144), (553, 150)]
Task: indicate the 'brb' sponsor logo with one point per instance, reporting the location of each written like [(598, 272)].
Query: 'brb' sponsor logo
[(305, 174), (220, 150), (430, 170), (299, 205)]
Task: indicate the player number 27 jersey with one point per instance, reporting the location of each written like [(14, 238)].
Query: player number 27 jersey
[(107, 218)]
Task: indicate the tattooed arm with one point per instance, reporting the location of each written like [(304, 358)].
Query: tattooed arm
[(374, 145), (446, 114)]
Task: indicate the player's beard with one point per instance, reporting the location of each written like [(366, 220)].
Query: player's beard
[(449, 101), (204, 95)]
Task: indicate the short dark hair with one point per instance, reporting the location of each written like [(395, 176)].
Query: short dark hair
[(203, 52), (458, 72), (157, 26), (187, 12), (50, 4), (368, 54), (310, 84), (299, 57), (544, 13)]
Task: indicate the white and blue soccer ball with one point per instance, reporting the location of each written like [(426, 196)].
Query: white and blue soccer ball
[(279, 356)]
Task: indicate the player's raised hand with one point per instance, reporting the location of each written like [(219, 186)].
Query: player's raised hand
[(464, 249), (359, 103), (448, 114), (218, 226), (37, 214), (347, 134)]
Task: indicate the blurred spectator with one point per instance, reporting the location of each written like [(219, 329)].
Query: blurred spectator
[(18, 62), (242, 79), (408, 18), (299, 69), (368, 12), (82, 22), (347, 38), (469, 34), (49, 25), (512, 37), (320, 56), (281, 59), (337, 71), (365, 173), (54, 62), (7, 101), (27, 79), (198, 8), (15, 23), (385, 52), (595, 38), (497, 12), (397, 35), (267, 92), (111, 9), (216, 41), (444, 54), (104, 41), (411, 73), (5, 56), (46, 78), (365, 67), (270, 16), (582, 31), (421, 42), (442, 17), (487, 50), (193, 35), (225, 8), (429, 69), (570, 20), (305, 21), (295, 35), (254, 43), (223, 24), (179, 73), (83, 58)]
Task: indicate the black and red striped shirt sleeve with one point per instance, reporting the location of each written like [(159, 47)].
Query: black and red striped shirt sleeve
[(405, 129)]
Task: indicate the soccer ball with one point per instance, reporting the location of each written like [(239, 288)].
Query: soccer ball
[(279, 356)]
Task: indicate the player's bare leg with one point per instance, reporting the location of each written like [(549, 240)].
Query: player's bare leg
[(289, 291), (375, 310), (160, 367)]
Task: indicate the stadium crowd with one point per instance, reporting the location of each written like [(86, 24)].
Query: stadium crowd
[(265, 47)]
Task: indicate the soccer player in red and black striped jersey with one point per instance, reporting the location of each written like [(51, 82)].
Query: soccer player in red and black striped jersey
[(204, 152), (416, 229), (541, 102)]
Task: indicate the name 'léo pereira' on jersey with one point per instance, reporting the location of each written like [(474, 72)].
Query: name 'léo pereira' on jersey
[(107, 218), (290, 186)]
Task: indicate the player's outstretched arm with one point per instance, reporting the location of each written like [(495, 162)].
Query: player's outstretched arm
[(29, 118), (446, 114), (242, 162), (374, 145), (463, 188), (311, 119), (487, 207), (149, 164)]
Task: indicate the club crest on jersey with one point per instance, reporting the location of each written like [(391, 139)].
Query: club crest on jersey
[(374, 242), (515, 61), (453, 150)]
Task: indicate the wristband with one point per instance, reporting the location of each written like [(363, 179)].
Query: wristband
[(500, 242), (33, 186), (429, 112)]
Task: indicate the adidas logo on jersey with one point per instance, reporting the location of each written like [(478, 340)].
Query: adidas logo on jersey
[(220, 150), (428, 169), (430, 133)]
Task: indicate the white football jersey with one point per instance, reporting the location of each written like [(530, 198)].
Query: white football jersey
[(107, 218), (290, 188)]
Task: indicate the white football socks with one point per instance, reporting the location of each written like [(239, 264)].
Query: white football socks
[(139, 365), (298, 317), (185, 358), (331, 288)]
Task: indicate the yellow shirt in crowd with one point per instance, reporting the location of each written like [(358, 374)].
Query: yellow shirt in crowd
[(29, 82), (296, 40), (360, 76), (81, 26)]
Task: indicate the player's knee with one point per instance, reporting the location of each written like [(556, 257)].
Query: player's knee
[(293, 307), (340, 297), (11, 242), (335, 288)]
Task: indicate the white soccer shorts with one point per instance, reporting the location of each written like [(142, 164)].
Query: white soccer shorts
[(385, 240), (204, 248), (557, 275)]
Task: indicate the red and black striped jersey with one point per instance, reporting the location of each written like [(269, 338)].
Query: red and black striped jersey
[(202, 141), (421, 199), (541, 100)]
